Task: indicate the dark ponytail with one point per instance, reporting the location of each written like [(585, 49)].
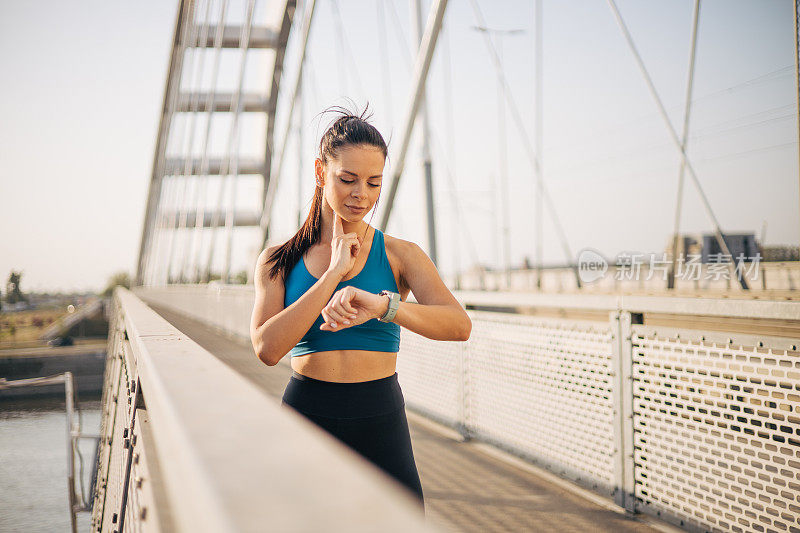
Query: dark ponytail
[(348, 129)]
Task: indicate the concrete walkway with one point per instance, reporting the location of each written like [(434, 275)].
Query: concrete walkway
[(467, 487)]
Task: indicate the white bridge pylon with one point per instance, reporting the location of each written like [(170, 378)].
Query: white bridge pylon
[(197, 156)]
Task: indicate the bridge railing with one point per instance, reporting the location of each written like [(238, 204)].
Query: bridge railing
[(187, 444), (685, 408)]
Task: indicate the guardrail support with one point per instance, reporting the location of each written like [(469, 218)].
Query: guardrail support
[(622, 350), (463, 426)]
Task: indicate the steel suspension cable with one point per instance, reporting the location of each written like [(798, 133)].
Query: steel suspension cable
[(275, 176), (349, 56), (684, 140), (674, 136), (532, 156), (460, 219), (384, 59), (199, 199), (340, 56), (151, 251), (172, 185), (447, 79), (232, 152), (401, 37), (406, 54), (189, 152)]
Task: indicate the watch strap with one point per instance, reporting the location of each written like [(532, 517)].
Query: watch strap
[(394, 304)]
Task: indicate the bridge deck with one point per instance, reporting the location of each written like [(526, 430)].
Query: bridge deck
[(466, 488)]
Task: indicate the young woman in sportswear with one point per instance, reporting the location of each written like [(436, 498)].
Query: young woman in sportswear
[(334, 298)]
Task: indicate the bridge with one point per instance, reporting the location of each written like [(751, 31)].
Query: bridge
[(569, 411), (614, 406)]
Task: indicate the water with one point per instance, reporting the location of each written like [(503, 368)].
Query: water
[(33, 463)]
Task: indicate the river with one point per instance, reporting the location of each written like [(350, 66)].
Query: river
[(33, 463)]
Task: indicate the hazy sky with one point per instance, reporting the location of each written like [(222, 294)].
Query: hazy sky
[(82, 89)]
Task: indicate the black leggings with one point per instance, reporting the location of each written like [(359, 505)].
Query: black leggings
[(368, 416)]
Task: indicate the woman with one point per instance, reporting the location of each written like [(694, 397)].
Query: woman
[(334, 298)]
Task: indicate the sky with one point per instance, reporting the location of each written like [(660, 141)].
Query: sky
[(82, 86)]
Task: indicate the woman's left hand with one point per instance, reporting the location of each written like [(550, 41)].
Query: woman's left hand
[(351, 306)]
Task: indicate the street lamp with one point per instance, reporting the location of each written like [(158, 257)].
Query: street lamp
[(502, 151)]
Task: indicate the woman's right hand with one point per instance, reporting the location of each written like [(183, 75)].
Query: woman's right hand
[(344, 248)]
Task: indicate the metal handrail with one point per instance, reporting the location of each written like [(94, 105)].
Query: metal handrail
[(231, 458)]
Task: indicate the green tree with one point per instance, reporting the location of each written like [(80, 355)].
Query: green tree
[(120, 278), (240, 277), (13, 290)]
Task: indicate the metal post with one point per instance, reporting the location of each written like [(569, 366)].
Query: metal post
[(502, 152), (622, 390), (538, 168), (497, 205), (689, 85), (416, 26), (69, 391), (300, 154), (797, 67), (421, 67), (447, 76), (463, 423)]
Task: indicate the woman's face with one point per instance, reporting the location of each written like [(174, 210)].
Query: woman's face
[(352, 180)]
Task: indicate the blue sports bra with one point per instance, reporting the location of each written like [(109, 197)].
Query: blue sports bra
[(372, 335)]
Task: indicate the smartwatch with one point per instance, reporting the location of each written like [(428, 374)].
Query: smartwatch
[(394, 303)]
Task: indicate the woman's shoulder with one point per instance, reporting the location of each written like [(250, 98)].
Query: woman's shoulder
[(405, 252), (265, 264), (411, 259), (397, 246), (399, 255), (266, 253)]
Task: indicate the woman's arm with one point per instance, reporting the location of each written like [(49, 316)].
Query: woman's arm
[(274, 330), (438, 315)]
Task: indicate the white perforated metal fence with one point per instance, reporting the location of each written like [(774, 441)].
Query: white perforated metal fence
[(539, 387), (717, 428), (699, 427)]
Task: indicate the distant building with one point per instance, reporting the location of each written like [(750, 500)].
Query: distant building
[(706, 246), (780, 253), (739, 245)]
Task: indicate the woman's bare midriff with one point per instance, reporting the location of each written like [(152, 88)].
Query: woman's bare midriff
[(346, 366)]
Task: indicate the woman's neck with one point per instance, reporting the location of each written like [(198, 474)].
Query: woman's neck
[(358, 227)]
